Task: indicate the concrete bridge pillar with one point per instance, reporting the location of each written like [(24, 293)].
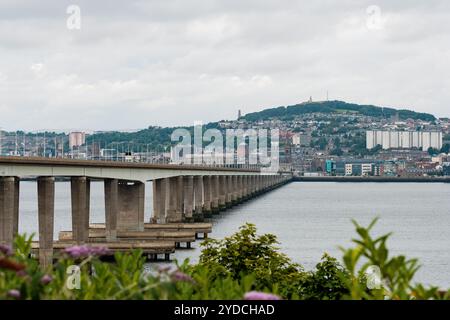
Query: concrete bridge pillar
[(111, 208), (222, 192), (237, 188), (80, 198), (188, 191), (234, 194), (229, 186), (207, 196), (240, 188), (159, 200), (215, 194), (245, 186), (251, 186), (180, 197), (131, 205), (174, 213), (46, 214), (9, 209), (198, 197)]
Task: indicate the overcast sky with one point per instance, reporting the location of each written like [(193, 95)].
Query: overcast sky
[(169, 62)]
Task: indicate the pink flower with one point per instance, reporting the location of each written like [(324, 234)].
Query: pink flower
[(255, 295), (6, 250), (46, 279), (14, 294), (164, 269), (182, 277), (21, 273), (86, 251)]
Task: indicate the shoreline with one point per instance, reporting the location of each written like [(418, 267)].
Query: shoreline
[(373, 179)]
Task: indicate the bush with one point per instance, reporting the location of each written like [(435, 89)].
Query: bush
[(246, 253)]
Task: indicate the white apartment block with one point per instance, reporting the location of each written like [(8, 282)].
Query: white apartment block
[(348, 169), (366, 169), (404, 139)]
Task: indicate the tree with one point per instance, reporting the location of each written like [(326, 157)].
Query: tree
[(376, 149), (445, 148), (336, 152), (432, 151)]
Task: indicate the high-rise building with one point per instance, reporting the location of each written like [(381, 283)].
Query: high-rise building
[(404, 139), (76, 139)]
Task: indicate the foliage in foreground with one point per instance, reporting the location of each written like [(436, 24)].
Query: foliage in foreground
[(244, 265)]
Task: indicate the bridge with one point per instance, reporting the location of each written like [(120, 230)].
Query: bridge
[(183, 196)]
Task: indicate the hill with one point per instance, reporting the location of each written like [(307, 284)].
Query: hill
[(289, 112)]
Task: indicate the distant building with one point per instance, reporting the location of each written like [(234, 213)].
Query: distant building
[(76, 139), (358, 168), (340, 168), (404, 139), (366, 169), (330, 166), (446, 169), (301, 139), (296, 139)]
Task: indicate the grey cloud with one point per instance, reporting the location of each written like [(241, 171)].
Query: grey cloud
[(140, 63)]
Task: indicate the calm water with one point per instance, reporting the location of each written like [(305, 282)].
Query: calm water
[(312, 218)]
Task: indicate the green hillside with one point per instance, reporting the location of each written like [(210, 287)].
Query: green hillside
[(290, 112)]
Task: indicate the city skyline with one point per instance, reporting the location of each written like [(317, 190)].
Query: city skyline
[(137, 64)]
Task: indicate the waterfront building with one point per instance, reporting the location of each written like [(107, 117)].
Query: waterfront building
[(356, 169), (390, 168), (446, 169), (366, 169), (330, 166), (340, 168), (363, 167)]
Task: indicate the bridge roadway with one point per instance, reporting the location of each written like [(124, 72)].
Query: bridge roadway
[(181, 194)]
